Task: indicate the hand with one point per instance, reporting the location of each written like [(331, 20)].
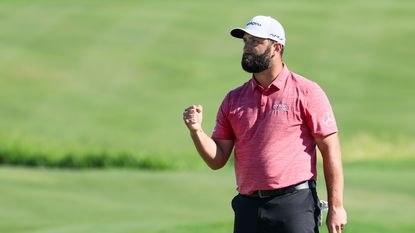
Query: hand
[(193, 116), (336, 220)]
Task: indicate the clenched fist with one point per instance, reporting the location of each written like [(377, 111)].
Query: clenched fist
[(192, 117)]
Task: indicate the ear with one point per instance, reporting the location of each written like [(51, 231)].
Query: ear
[(278, 47)]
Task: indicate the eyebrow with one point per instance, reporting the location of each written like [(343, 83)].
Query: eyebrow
[(254, 39)]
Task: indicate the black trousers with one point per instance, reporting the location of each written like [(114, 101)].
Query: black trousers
[(295, 212)]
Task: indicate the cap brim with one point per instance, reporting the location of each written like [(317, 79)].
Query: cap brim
[(238, 32)]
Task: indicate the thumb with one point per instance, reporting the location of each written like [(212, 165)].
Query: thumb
[(199, 108)]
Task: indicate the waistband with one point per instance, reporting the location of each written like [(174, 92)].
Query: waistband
[(309, 184)]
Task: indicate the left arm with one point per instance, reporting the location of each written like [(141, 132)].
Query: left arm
[(329, 147)]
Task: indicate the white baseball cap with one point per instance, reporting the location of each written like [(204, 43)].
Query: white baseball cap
[(264, 27)]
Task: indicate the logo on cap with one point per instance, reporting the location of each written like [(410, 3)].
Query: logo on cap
[(253, 23)]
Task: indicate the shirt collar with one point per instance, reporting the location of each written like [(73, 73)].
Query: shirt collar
[(278, 82)]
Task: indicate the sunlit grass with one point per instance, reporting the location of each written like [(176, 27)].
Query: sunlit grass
[(114, 76), (378, 197)]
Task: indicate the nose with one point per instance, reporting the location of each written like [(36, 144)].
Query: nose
[(248, 48)]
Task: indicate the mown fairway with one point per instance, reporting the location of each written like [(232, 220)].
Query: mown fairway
[(114, 76), (380, 197)]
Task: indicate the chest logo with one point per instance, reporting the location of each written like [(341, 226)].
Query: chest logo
[(280, 107)]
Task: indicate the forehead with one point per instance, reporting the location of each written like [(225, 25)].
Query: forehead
[(251, 37)]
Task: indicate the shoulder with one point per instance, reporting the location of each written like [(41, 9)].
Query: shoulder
[(239, 91), (303, 84)]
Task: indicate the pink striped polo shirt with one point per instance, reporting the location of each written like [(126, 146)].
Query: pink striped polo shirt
[(273, 130)]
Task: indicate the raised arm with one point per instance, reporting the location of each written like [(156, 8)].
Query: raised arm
[(214, 153)]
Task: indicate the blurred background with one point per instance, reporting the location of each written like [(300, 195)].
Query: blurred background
[(103, 84)]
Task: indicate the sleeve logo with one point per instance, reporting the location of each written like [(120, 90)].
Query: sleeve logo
[(328, 119)]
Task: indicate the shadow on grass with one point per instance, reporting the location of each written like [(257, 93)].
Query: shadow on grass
[(90, 160)]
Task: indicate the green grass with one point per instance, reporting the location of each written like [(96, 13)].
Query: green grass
[(379, 197), (86, 81), (112, 77)]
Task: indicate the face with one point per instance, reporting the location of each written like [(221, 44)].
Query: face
[(257, 54)]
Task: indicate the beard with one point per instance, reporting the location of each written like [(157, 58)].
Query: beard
[(256, 63)]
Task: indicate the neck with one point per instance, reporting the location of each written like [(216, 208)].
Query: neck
[(266, 77)]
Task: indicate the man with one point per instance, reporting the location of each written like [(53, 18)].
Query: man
[(274, 121)]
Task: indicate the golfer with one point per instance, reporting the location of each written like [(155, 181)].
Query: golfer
[(274, 122)]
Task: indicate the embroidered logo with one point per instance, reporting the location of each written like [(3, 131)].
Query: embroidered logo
[(275, 36), (328, 119), (280, 107), (254, 24)]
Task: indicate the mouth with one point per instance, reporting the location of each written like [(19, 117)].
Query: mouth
[(250, 53)]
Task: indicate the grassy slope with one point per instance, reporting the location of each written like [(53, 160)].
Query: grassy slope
[(112, 201), (379, 198), (115, 75)]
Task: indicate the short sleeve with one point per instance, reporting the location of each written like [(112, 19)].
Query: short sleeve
[(223, 129), (319, 114)]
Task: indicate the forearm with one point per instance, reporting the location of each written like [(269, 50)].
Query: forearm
[(333, 170), (214, 153), (333, 173), (208, 149)]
